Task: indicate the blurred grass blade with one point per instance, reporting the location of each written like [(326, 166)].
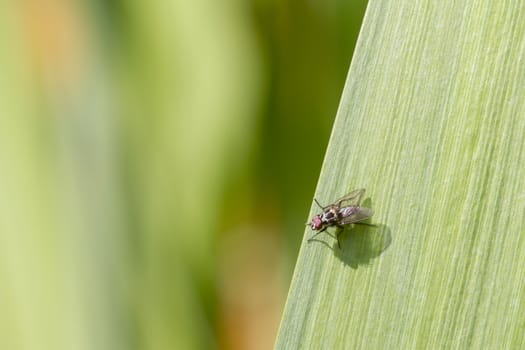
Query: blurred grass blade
[(431, 124)]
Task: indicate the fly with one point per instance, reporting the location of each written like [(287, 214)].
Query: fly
[(345, 211)]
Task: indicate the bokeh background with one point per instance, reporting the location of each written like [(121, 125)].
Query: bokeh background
[(157, 160)]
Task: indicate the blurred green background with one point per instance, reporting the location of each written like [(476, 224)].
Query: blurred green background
[(157, 159)]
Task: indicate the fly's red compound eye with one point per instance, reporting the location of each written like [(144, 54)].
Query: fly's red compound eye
[(317, 223)]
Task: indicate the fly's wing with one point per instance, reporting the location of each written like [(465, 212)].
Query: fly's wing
[(354, 214), (351, 199)]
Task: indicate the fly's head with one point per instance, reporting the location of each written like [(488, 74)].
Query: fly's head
[(317, 223)]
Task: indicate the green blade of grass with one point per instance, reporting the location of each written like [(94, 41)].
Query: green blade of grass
[(432, 124)]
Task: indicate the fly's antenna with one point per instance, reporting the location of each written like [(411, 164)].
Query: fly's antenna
[(316, 202)]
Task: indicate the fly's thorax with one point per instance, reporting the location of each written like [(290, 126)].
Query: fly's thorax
[(331, 216)]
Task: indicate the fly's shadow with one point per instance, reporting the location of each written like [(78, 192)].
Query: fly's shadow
[(360, 244)]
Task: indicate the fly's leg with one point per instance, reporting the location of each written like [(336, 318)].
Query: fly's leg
[(318, 232), (319, 205), (340, 230), (354, 196)]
